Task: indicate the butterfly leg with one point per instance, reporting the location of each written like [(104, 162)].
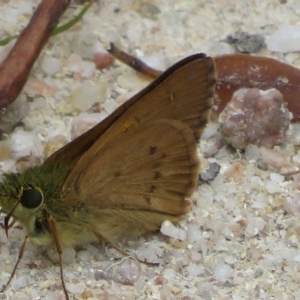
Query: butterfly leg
[(21, 252), (52, 227)]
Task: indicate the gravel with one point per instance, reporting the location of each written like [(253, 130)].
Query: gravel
[(241, 238)]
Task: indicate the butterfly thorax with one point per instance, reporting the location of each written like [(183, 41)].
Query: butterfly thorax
[(49, 180)]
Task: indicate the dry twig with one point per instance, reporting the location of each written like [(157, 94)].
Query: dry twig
[(132, 62)]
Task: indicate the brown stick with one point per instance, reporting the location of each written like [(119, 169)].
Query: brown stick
[(132, 62), (15, 69)]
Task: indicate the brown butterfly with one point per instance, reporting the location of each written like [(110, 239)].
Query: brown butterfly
[(126, 175)]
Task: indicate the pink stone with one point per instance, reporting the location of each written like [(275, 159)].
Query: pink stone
[(255, 117)]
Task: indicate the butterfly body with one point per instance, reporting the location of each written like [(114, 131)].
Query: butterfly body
[(126, 175)]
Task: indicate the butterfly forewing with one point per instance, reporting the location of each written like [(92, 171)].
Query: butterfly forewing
[(184, 93)]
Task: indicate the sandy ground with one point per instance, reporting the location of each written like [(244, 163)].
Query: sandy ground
[(241, 237)]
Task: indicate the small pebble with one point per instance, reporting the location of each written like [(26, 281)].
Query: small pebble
[(35, 87), (272, 187), (20, 282), (245, 42), (74, 63), (130, 82), (125, 272), (169, 273), (110, 105), (210, 173), (193, 234), (86, 95), (252, 152), (51, 65), (88, 69), (223, 272), (206, 286), (276, 177), (285, 39), (139, 284), (103, 60), (75, 288), (84, 121), (14, 114), (167, 228), (273, 158), (296, 158), (155, 62), (195, 270), (68, 255), (235, 171), (210, 130), (25, 144)]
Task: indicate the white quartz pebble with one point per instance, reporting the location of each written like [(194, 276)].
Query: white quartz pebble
[(167, 228)]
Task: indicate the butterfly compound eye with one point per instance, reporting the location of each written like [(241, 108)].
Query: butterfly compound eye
[(31, 198)]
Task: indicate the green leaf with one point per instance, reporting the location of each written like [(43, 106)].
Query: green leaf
[(8, 39), (72, 22)]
